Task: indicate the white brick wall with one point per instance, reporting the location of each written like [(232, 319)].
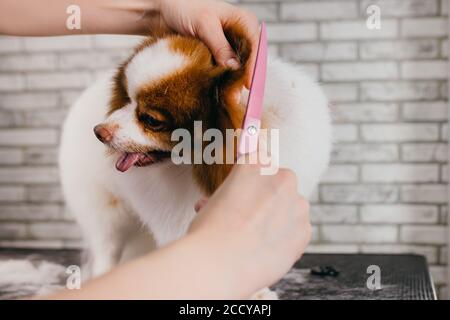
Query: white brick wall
[(386, 190)]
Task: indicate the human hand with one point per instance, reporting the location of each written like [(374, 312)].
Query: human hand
[(206, 19), (257, 226)]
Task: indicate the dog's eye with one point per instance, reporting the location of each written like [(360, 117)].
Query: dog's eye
[(151, 122)]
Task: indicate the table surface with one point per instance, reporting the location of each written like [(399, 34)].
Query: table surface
[(402, 277)]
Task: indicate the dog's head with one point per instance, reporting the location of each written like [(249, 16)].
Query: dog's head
[(168, 83)]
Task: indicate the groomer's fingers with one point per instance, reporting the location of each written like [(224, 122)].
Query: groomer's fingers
[(250, 25), (210, 31)]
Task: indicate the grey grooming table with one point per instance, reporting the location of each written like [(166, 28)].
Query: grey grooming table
[(403, 277)]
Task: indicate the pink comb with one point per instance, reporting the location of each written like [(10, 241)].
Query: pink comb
[(248, 141)]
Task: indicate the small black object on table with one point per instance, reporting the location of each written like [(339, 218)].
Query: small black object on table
[(346, 276)]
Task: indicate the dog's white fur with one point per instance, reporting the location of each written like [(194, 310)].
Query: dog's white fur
[(152, 63), (111, 206)]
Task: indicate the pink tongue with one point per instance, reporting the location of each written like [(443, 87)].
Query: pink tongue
[(126, 161)]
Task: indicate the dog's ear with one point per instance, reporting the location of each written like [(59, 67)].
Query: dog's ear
[(228, 84), (231, 82), (241, 45)]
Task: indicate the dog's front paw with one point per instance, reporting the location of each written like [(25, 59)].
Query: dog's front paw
[(265, 294)]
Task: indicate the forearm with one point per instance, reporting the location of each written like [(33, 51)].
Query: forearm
[(183, 270), (48, 17)]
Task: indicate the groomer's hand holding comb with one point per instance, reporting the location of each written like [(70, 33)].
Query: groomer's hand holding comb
[(254, 225)]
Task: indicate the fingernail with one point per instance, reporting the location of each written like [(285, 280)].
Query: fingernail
[(233, 64)]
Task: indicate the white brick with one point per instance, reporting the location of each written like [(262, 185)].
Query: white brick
[(315, 234), (73, 244), (32, 244), (425, 152), (273, 51), (347, 30), (444, 214), (12, 230), (341, 174), (444, 90), (58, 80), (58, 43), (310, 69), (285, 32), (333, 214), (12, 193), (314, 198), (443, 258), (29, 212), (351, 71), (45, 118), (400, 173), (399, 214), (69, 97), (398, 91), (28, 174), (11, 82), (44, 193), (28, 101), (443, 291), (334, 51), (28, 137), (424, 70), (27, 62), (116, 41), (403, 8), (314, 10), (359, 233), (431, 193), (444, 49), (341, 92), (54, 230), (365, 153), (365, 112), (423, 234), (399, 132), (332, 248), (345, 132), (410, 49), (92, 60), (10, 119), (444, 132), (433, 111), (264, 11), (428, 251), (444, 173), (439, 274), (10, 44), (67, 214), (41, 155), (359, 193), (11, 156), (424, 27)]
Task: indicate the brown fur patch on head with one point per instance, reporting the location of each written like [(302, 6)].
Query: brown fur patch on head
[(200, 91), (230, 84)]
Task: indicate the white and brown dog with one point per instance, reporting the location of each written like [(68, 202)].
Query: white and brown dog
[(168, 83)]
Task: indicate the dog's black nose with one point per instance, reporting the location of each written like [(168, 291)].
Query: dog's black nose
[(102, 133)]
